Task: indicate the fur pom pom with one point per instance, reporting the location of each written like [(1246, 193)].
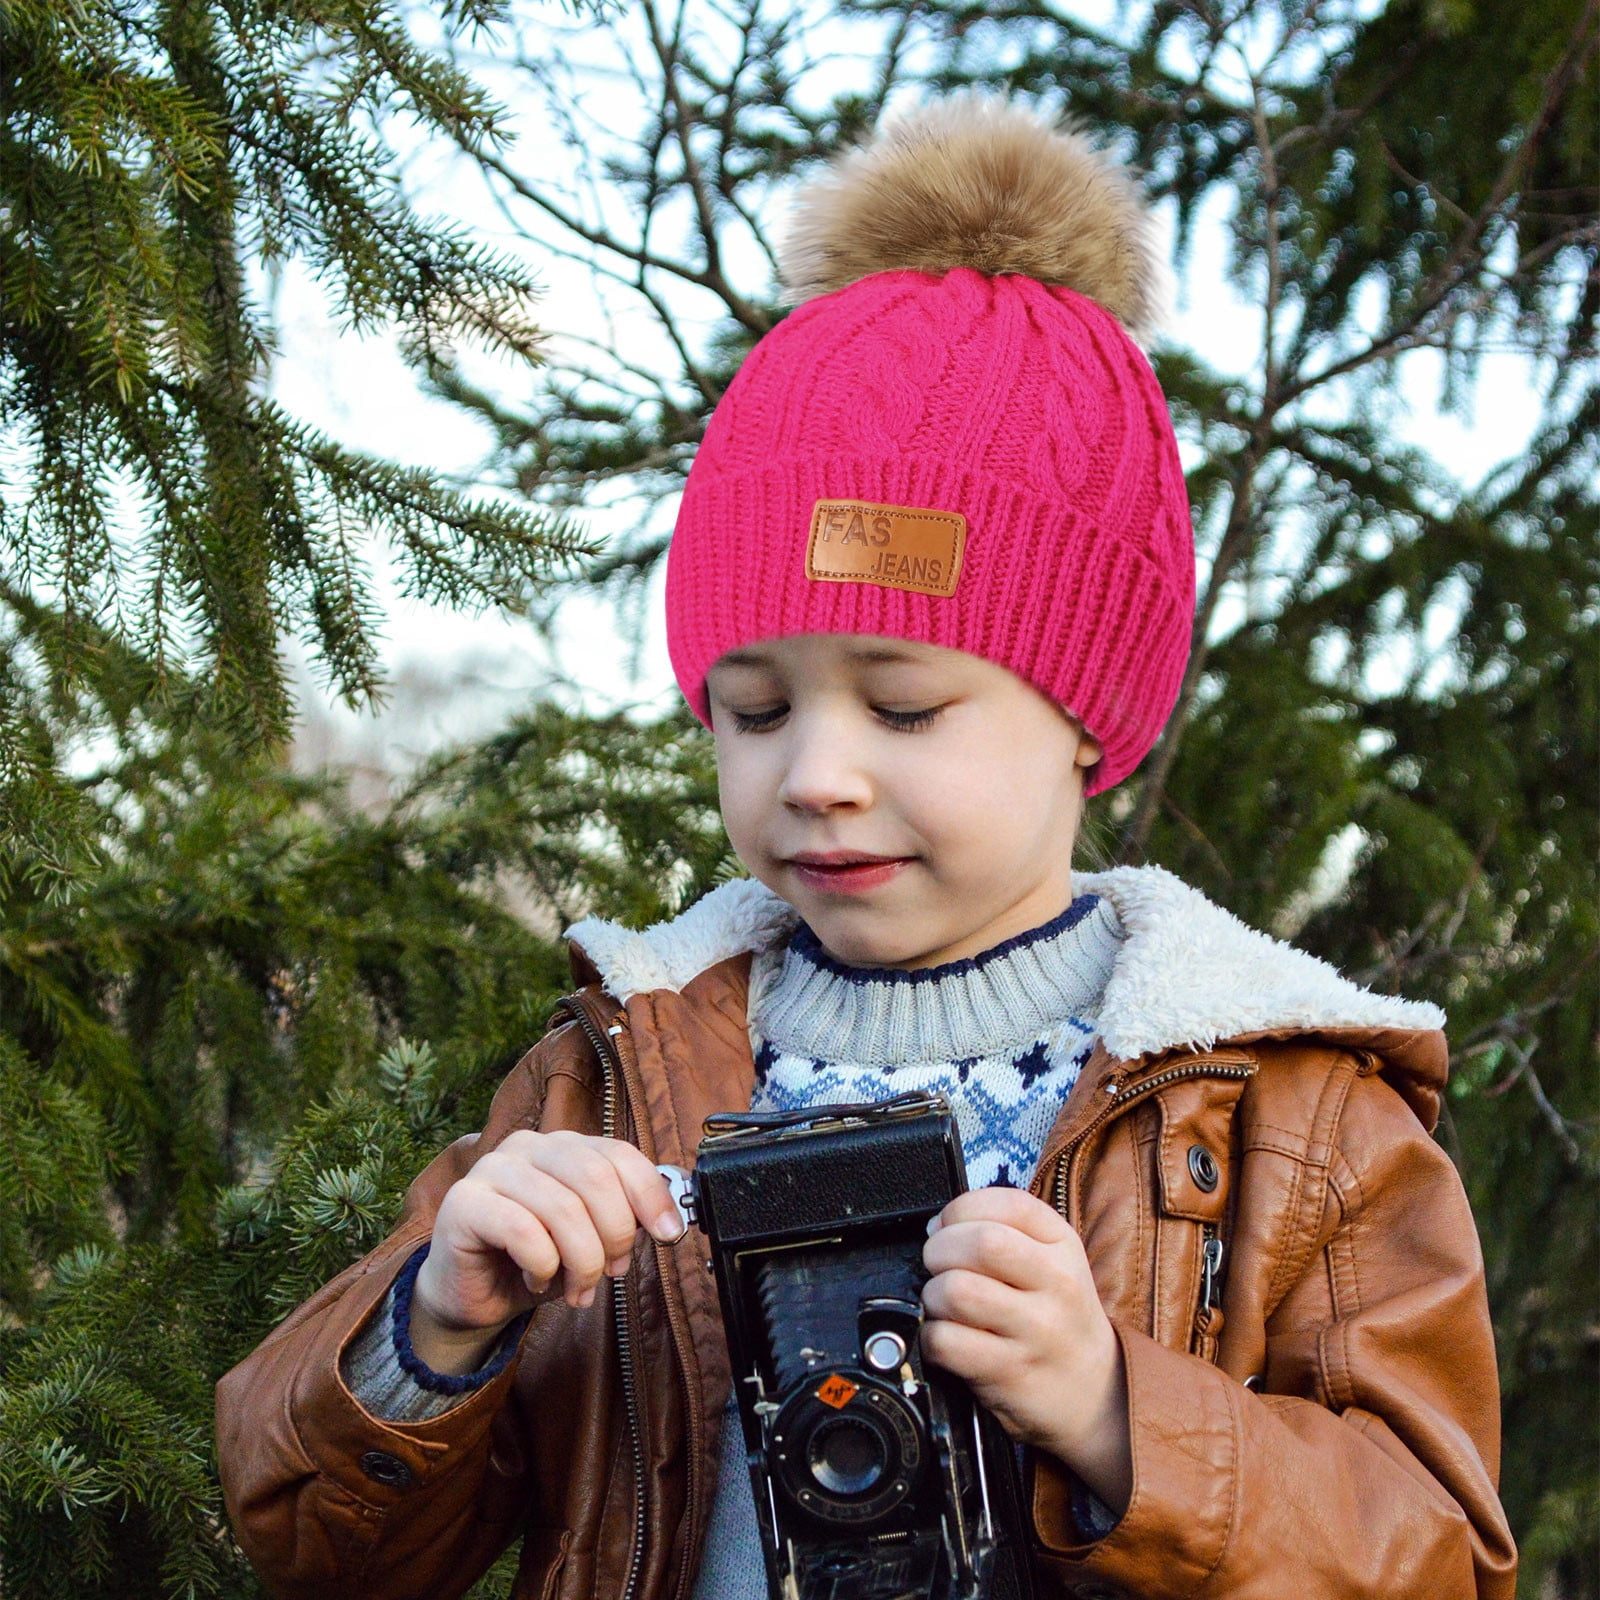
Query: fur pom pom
[(977, 182)]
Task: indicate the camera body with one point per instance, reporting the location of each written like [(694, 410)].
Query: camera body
[(875, 1478)]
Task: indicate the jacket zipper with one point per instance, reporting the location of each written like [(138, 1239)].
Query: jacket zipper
[(1211, 1252), (1208, 1312), (611, 1125), (677, 1322), (1120, 1097)]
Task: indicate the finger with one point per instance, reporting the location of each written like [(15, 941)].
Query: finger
[(502, 1224), (647, 1191), (564, 1215), (975, 1354), (975, 1301), (644, 1191), (585, 1167), (996, 1249), (1016, 1207)]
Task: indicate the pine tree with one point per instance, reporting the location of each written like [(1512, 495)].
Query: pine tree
[(227, 1051), (155, 159), (212, 971)]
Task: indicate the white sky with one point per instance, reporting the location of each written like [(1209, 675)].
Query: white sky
[(458, 676)]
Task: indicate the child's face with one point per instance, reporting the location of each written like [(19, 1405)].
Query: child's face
[(914, 804)]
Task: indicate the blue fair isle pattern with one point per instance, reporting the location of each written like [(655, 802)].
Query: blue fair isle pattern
[(1004, 1105)]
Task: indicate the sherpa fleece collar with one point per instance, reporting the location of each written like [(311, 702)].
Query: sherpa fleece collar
[(1189, 974)]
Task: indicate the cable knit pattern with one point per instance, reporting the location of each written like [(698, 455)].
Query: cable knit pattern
[(1024, 407)]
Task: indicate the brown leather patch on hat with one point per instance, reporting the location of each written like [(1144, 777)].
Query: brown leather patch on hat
[(901, 547)]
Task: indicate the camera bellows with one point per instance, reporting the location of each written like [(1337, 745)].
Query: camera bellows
[(811, 1302), (875, 1478)]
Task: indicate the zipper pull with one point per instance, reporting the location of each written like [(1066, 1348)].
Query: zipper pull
[(1210, 1271), (1208, 1314)]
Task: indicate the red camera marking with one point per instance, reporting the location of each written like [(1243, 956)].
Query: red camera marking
[(837, 1391)]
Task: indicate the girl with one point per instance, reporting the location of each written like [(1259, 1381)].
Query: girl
[(932, 584)]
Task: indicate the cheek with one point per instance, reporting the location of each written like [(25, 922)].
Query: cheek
[(949, 793), (746, 791), (993, 791)]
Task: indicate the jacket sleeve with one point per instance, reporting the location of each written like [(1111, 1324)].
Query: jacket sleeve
[(1365, 1467), (327, 1500)]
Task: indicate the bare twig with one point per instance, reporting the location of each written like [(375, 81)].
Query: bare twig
[(1198, 834), (1439, 307), (1273, 246), (1230, 549), (712, 275), (1469, 248), (1523, 1073)]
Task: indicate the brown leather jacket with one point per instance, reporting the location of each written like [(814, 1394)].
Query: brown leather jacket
[(1330, 1430)]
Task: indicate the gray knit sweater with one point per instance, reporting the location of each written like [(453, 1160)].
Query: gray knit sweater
[(1002, 1035)]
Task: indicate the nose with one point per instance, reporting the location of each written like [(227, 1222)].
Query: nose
[(822, 771)]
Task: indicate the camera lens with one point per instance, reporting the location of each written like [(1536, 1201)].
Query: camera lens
[(848, 1450), (847, 1456)]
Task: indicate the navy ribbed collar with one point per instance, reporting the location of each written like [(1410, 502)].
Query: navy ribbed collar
[(805, 944)]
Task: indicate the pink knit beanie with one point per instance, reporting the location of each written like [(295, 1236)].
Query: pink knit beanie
[(955, 439)]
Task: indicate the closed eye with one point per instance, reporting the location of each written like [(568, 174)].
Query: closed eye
[(758, 721), (907, 721)]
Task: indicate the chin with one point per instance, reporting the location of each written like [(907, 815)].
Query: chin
[(860, 947)]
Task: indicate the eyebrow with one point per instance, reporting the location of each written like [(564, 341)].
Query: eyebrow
[(870, 654), (885, 653)]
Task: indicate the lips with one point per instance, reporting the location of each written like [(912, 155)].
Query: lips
[(846, 871)]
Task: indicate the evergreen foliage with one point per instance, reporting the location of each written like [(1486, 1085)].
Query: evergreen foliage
[(237, 1014), (227, 1052), (155, 158), (1386, 743)]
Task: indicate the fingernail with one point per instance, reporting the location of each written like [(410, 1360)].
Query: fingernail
[(619, 1267), (934, 1225), (670, 1227), (586, 1298)]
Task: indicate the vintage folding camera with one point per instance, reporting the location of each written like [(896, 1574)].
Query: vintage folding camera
[(876, 1477)]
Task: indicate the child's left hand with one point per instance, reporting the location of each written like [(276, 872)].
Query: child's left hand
[(1011, 1308)]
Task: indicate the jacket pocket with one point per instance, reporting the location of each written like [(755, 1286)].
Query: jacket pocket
[(1194, 1166)]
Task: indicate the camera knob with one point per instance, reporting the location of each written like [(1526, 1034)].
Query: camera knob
[(885, 1351), (684, 1195)]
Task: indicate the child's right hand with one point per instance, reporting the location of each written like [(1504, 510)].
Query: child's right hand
[(538, 1205)]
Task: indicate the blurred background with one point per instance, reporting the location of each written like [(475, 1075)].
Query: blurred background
[(354, 354)]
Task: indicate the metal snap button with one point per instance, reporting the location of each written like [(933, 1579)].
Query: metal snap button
[(386, 1469), (1203, 1169), (1253, 1382)]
